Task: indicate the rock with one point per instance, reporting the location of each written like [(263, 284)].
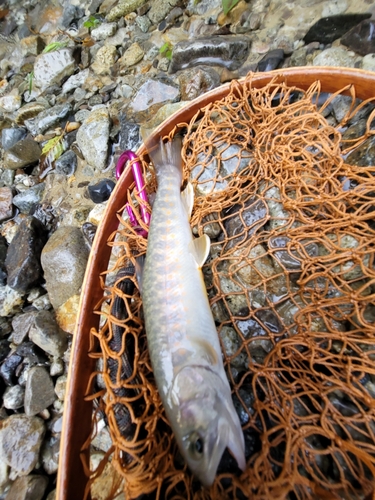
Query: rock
[(75, 81), (50, 454), (29, 111), (57, 367), (32, 45), (11, 102), (64, 259), (162, 114), (204, 7), (129, 134), (271, 60), (197, 81), (13, 397), (60, 387), (151, 96), (23, 256), (51, 67), (299, 57), (9, 366), (361, 38), (101, 191), (102, 441), (46, 334), (6, 206), (93, 136), (96, 214), (89, 231), (26, 200), (229, 51), (4, 476), (159, 10), (328, 29), (25, 152), (231, 344), (67, 313), (28, 488), (123, 8), (66, 164), (39, 393), (20, 441), (334, 56), (10, 136), (48, 119), (104, 60), (364, 155), (144, 23), (52, 495), (10, 301), (368, 62), (103, 31), (132, 55)]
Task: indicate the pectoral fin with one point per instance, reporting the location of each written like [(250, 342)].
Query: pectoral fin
[(187, 197), (200, 248), (139, 267)]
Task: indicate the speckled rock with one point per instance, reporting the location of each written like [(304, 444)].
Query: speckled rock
[(197, 81), (47, 335), (131, 56), (10, 301), (23, 256), (93, 136), (160, 9), (335, 56), (48, 118), (28, 488), (103, 31), (6, 207), (368, 62), (39, 392), (13, 397), (75, 81), (52, 67), (104, 60), (123, 8), (11, 102), (50, 454), (66, 314), (64, 259), (20, 441), (21, 154)]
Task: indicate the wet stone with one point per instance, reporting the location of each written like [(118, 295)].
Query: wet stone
[(197, 81), (150, 97), (227, 51), (93, 136), (328, 29), (361, 38), (20, 441), (10, 136), (47, 335), (101, 191), (64, 259), (8, 368), (364, 155), (271, 60), (66, 164), (6, 206), (13, 397), (25, 152), (50, 68), (47, 119), (129, 134), (39, 392), (28, 488), (23, 256)]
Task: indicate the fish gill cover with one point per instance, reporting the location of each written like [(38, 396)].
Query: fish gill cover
[(291, 282)]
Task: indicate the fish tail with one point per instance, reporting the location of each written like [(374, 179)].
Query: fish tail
[(166, 156)]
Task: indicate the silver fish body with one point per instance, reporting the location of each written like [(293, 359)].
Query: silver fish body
[(181, 334)]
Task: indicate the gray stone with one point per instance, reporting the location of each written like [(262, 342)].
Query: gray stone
[(151, 96), (64, 259), (132, 55), (60, 387), (52, 67), (23, 256), (50, 454), (21, 325), (81, 115), (123, 8), (159, 10), (197, 81), (229, 51), (368, 62), (13, 397), (204, 6), (10, 136), (27, 199), (28, 488), (48, 118), (57, 367), (335, 56), (39, 393), (10, 301), (103, 31), (66, 164), (47, 335), (93, 137), (143, 22), (75, 81), (20, 441), (23, 153)]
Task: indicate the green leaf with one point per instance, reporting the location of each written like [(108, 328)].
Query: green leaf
[(92, 22), (54, 46), (51, 144), (228, 5), (166, 50)]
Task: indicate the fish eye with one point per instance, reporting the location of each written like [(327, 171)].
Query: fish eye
[(196, 445), (199, 446)]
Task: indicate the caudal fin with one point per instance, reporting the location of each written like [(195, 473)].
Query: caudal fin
[(166, 155)]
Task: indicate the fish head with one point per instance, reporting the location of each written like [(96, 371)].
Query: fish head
[(207, 423)]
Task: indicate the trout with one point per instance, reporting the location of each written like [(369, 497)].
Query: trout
[(182, 338)]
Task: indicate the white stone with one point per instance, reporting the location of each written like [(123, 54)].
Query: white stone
[(75, 81), (93, 136), (335, 56), (368, 62), (52, 67), (104, 31)]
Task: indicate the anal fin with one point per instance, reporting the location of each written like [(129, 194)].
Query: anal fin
[(187, 197), (200, 248)]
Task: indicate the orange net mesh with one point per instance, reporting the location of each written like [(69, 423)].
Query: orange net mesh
[(287, 201)]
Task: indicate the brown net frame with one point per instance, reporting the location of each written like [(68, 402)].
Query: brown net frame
[(291, 283)]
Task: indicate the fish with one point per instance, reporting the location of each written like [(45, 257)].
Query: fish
[(182, 339)]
